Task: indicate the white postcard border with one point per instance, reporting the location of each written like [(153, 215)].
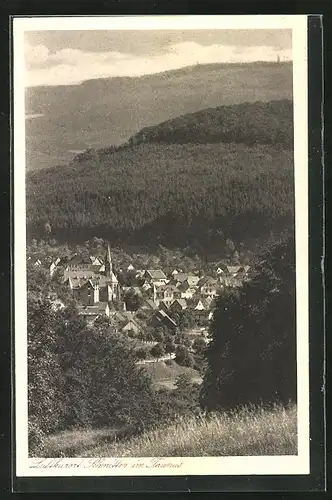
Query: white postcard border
[(271, 465)]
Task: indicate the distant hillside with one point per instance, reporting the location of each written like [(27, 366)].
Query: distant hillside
[(98, 113), (195, 194)]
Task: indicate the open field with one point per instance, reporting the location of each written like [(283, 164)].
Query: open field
[(164, 375), (248, 432)]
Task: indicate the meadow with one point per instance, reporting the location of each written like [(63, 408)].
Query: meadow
[(248, 431)]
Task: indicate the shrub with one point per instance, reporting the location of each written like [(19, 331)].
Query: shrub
[(157, 351), (141, 353), (183, 356)]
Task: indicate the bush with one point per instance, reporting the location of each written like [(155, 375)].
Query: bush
[(183, 356), (141, 353), (199, 346), (157, 351)]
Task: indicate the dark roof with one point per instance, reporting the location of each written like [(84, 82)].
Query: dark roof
[(77, 260), (163, 315), (182, 302), (149, 303)]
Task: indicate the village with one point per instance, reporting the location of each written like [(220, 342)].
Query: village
[(138, 301)]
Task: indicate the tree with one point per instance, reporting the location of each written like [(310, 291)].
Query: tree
[(169, 346), (159, 335), (141, 353), (133, 300), (199, 346), (157, 351), (183, 356), (252, 356), (81, 376)]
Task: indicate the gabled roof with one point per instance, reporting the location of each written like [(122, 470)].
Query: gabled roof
[(194, 301), (156, 274), (181, 302), (34, 259), (183, 287), (233, 269), (77, 260), (160, 314), (94, 310), (55, 260), (192, 279), (79, 274), (180, 277), (207, 280), (134, 322), (167, 288), (148, 303)]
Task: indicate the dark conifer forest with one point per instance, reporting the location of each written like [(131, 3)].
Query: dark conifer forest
[(202, 179)]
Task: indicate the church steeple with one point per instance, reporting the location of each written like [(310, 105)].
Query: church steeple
[(108, 261)]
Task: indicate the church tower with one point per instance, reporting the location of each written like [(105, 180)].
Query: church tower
[(112, 279), (108, 262)]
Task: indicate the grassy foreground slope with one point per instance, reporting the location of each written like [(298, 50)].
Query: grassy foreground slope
[(248, 432)]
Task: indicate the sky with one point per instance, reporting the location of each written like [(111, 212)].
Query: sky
[(71, 57)]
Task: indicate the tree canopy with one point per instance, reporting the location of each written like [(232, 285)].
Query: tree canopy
[(252, 355), (171, 188)]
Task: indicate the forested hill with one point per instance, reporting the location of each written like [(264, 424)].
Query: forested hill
[(248, 123), (194, 193)]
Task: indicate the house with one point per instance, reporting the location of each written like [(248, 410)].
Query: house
[(89, 287), (160, 317), (54, 264), (186, 290), (174, 272), (56, 303), (148, 305), (96, 260), (156, 277), (242, 273), (146, 286), (77, 263), (131, 327), (91, 312), (197, 304), (167, 294), (180, 277), (221, 270), (233, 270), (130, 268), (200, 309), (178, 305), (77, 274), (86, 292), (34, 261), (163, 305), (192, 280), (208, 287)]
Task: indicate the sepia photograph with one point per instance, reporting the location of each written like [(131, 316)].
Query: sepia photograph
[(161, 296)]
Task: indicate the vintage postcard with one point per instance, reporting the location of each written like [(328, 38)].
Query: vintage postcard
[(161, 245)]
